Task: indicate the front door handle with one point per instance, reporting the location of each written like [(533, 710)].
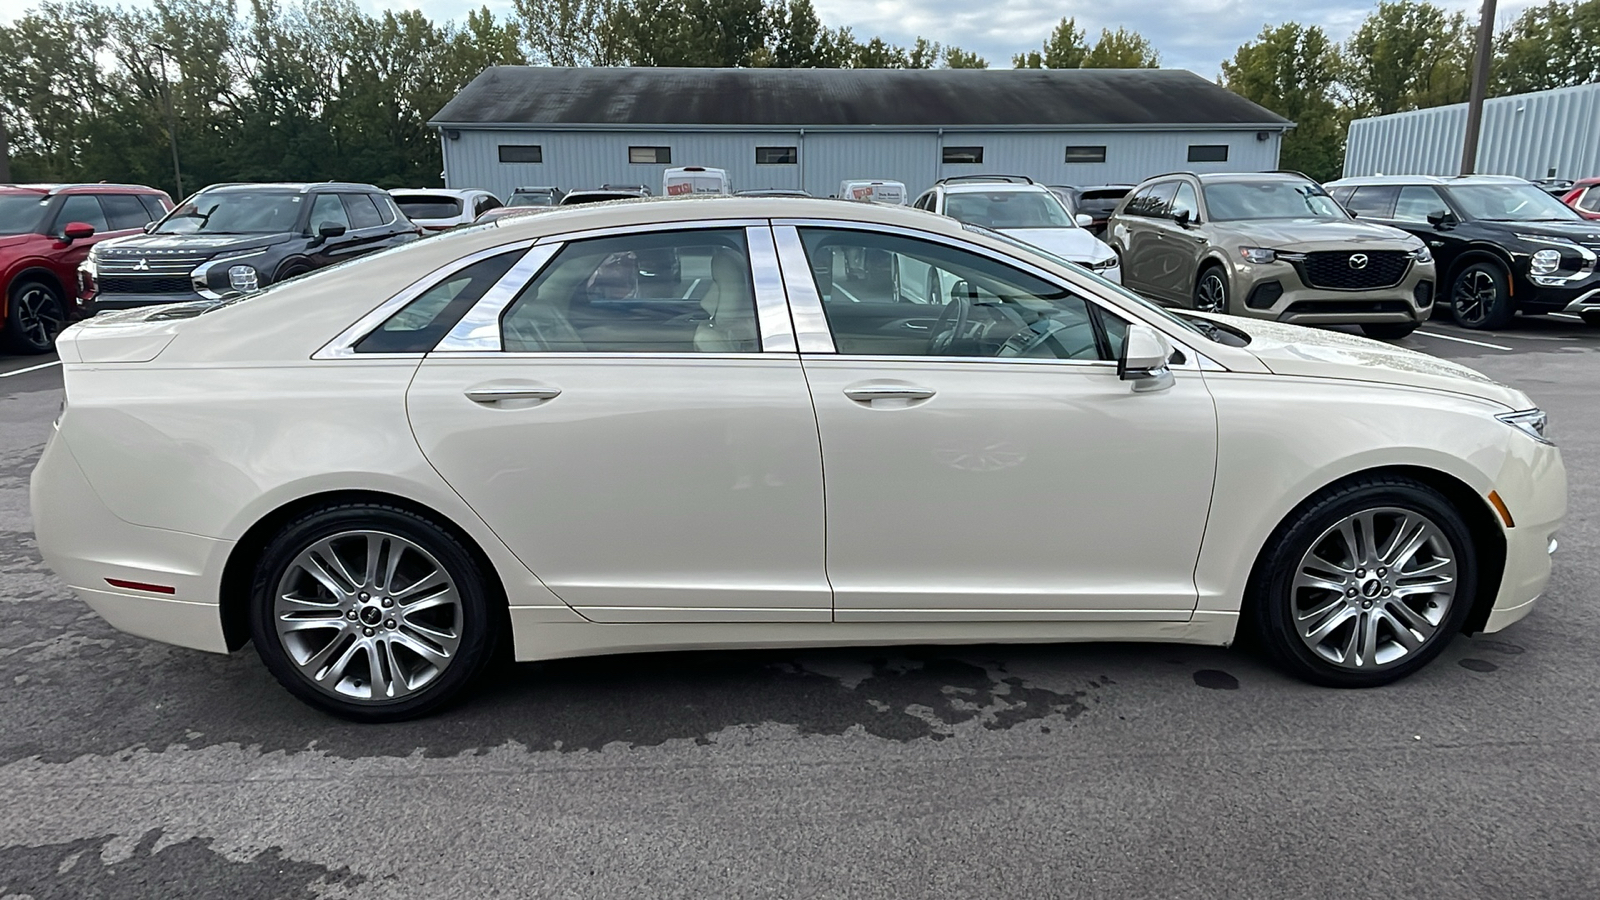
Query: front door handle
[(870, 392), (499, 394)]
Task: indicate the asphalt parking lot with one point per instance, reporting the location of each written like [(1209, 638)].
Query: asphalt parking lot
[(132, 769)]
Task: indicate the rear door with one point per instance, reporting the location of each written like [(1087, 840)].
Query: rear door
[(1145, 238), (1175, 254)]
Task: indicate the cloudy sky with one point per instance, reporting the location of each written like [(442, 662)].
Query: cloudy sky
[(1191, 34)]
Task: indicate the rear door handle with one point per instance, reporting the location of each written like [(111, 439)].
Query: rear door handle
[(870, 392), (499, 394)]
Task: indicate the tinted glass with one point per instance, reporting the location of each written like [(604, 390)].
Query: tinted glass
[(1100, 203), (327, 210), (531, 200), (1417, 202), (1375, 201), (1184, 201), (1208, 153), (1008, 209), (21, 213), (153, 204), (521, 153), (1153, 200), (236, 212), (1234, 201), (672, 292), (1510, 203), (124, 211), (82, 208), (419, 325), (890, 295), (1591, 199), (363, 212)]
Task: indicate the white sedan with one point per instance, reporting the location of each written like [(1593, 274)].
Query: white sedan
[(729, 422)]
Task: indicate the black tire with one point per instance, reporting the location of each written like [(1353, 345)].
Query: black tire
[(1389, 331), (1208, 285), (475, 622), (1271, 599), (292, 270), (35, 316), (1480, 297)]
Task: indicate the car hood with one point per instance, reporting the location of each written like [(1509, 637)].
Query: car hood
[(1316, 353), (198, 243), (1284, 234), (12, 240), (1075, 244)]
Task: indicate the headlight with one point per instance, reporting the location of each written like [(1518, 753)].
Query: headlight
[(1104, 264), (1530, 422), (1422, 255), (1258, 254), (243, 279), (1545, 262)]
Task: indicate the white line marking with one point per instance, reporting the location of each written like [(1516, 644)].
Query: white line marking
[(30, 369), (1446, 337), (1568, 316)]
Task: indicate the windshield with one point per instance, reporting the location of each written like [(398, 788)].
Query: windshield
[(1008, 209), (20, 213), (531, 200), (235, 212), (1510, 203), (419, 206), (1234, 201)]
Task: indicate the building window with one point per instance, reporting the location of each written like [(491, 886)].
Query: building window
[(1086, 154), (649, 156), (521, 153), (1208, 153), (963, 155), (777, 156)]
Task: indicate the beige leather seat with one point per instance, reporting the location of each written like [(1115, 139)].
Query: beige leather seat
[(732, 326)]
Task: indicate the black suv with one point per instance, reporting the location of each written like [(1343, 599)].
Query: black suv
[(1502, 244), (238, 238)]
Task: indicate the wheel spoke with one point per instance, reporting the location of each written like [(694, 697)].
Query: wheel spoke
[(1410, 620), (312, 564), (376, 544), (1402, 634), (1412, 544), (300, 621), (436, 655), (1308, 579), (1366, 528), (417, 592), (399, 683), (1327, 626)]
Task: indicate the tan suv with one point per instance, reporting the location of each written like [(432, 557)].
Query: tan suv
[(1271, 246)]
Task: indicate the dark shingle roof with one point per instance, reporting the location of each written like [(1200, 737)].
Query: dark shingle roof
[(538, 95)]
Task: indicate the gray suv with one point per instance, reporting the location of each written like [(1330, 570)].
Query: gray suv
[(1271, 246)]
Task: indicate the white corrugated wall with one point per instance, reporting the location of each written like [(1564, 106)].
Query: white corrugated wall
[(577, 159), (1544, 134)]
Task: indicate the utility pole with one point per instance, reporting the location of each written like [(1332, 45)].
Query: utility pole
[(1480, 87), (162, 51)]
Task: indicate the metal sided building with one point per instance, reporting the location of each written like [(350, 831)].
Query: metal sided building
[(1546, 134), (810, 129)]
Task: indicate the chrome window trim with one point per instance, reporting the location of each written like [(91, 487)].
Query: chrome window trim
[(772, 303), (791, 253), (343, 346), (479, 329)]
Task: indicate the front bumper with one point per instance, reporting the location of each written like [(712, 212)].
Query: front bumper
[(1275, 291), (1534, 489), (1586, 302)]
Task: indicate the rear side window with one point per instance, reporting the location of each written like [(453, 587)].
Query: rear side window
[(124, 211), (363, 212), (419, 325)]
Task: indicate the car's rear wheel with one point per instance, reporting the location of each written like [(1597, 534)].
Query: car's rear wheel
[(1211, 290), (1389, 331), (1480, 297), (1364, 584), (371, 613), (34, 318)]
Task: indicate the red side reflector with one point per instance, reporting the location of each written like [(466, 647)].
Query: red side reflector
[(141, 586)]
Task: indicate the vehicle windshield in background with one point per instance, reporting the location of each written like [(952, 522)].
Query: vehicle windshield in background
[(20, 213), (531, 200), (1510, 203), (577, 197), (1009, 209), (1234, 201), (420, 207), (235, 212)]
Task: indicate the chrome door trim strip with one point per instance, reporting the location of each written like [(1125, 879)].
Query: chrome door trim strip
[(479, 329), (811, 332), (772, 304)]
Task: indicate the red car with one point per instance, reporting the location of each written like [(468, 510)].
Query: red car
[(1585, 198), (46, 230)]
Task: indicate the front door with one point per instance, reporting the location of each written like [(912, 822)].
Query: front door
[(982, 458), (629, 439)]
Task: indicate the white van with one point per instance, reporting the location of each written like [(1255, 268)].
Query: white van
[(695, 180), (891, 192)]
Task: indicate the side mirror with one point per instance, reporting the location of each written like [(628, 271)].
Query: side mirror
[(1182, 218), (1145, 353), (330, 230), (1442, 219), (77, 231), (1083, 219)]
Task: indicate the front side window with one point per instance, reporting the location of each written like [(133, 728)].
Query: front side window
[(237, 212), (649, 156), (327, 210), (1232, 201), (82, 208), (1417, 202), (887, 295), (124, 212), (1184, 202), (1510, 203), (657, 292), (420, 324)]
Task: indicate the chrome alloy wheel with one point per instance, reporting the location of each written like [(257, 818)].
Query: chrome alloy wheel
[(1474, 295), (368, 615), (39, 316), (1211, 294), (1374, 588)]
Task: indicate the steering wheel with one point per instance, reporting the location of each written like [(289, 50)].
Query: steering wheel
[(960, 303)]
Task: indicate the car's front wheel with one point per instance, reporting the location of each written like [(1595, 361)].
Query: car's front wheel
[(1365, 583), (1480, 297), (1211, 291), (371, 613), (35, 316)]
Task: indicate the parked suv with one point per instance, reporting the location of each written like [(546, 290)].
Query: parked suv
[(239, 238), (1503, 245), (1270, 245), (46, 231), (1031, 213), (440, 209)]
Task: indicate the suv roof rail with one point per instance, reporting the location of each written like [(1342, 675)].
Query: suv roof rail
[(1289, 172), (641, 188), (58, 188), (991, 179)]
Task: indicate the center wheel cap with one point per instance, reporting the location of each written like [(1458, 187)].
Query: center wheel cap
[(371, 616), (1369, 590)]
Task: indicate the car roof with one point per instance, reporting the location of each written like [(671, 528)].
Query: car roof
[(300, 186), (80, 187), (993, 187), (702, 207), (535, 189), (434, 192), (1245, 177), (1431, 179)]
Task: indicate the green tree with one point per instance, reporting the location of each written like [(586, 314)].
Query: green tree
[(687, 32), (1408, 54), (1550, 46), (1064, 49), (1293, 70), (1121, 49), (565, 32), (957, 58)]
